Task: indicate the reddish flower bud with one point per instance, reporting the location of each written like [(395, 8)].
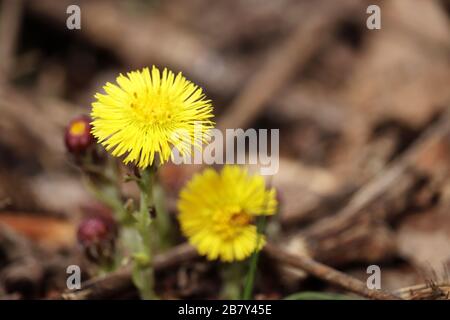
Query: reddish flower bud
[(78, 135), (97, 236)]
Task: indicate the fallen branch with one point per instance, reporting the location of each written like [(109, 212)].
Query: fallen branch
[(119, 283), (426, 291), (326, 273)]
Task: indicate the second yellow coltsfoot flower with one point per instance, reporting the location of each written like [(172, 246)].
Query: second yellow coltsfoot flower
[(218, 209)]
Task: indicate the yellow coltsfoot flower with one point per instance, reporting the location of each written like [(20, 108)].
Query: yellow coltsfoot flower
[(148, 113), (217, 212)]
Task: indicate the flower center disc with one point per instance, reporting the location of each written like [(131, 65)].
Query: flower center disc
[(152, 109), (230, 223)]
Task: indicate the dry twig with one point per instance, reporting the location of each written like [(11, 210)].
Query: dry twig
[(426, 291), (326, 273), (119, 283)]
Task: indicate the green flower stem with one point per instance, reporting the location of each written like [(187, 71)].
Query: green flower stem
[(251, 274), (143, 275)]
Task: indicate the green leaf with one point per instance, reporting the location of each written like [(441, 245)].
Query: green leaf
[(313, 295)]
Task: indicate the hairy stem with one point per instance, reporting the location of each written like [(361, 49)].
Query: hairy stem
[(143, 276)]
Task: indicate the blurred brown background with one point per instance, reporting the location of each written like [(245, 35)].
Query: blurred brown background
[(363, 118)]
